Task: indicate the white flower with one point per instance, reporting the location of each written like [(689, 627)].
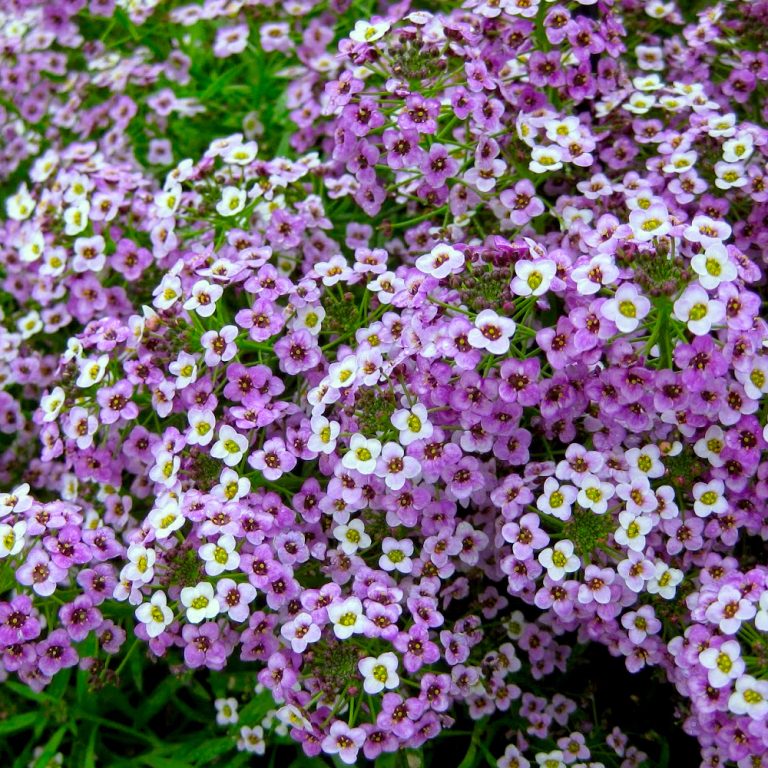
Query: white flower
[(167, 202), (76, 218), (17, 501), (650, 222), (91, 371), (343, 374), (730, 175), (544, 159), (252, 740), (634, 527), (231, 486), (324, 434), (230, 447), (140, 567), (232, 201), (365, 32), (52, 404), (168, 292), (32, 249), (204, 297), (347, 617), (639, 103), (698, 310), (166, 519), (385, 286), (738, 148), (12, 538), (491, 332), (711, 445), (165, 469), (723, 664), (594, 494), (201, 424), (559, 560), (709, 498), (646, 460), (664, 581), (553, 759), (626, 309), (750, 698), (29, 324), (155, 615), (714, 266), (184, 368), (241, 154), (379, 672), (291, 715), (55, 262), (362, 454), (221, 556), (533, 278), (396, 555), (226, 711), (413, 423), (761, 618), (21, 205), (309, 318), (352, 537), (680, 162), (200, 602), (441, 261)]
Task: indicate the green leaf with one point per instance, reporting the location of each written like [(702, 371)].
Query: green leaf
[(155, 761), (26, 692), (50, 748), (210, 749), (89, 760), (18, 723)]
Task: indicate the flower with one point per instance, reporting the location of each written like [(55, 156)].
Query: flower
[(709, 498), (413, 424), (559, 560), (627, 308), (366, 32), (491, 332), (300, 632), (155, 615), (232, 201), (343, 741), (347, 617), (200, 602), (441, 261), (252, 740), (723, 663), (362, 454), (221, 556), (698, 311), (750, 697), (533, 278), (379, 672), (352, 537), (230, 447), (396, 555), (226, 711)]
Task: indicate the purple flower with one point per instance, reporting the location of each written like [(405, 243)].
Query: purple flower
[(79, 617), (55, 653)]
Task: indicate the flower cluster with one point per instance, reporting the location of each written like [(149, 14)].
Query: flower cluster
[(469, 369)]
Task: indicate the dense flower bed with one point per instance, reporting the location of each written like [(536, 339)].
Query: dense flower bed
[(392, 358)]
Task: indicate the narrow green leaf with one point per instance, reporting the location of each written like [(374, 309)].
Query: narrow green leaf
[(50, 748), (18, 723)]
